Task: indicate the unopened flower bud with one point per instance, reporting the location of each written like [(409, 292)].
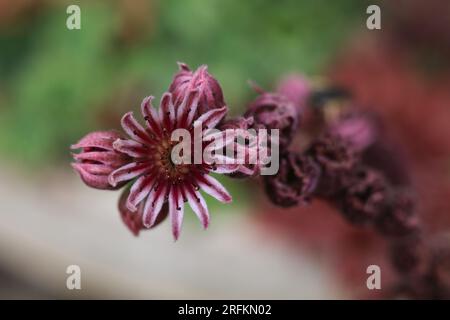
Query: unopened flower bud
[(210, 92), (296, 88), (295, 181), (357, 129), (363, 195), (98, 158), (336, 159), (245, 170), (237, 123), (275, 111)]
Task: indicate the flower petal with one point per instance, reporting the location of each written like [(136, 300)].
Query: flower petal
[(93, 168), (151, 116), (134, 129), (214, 95), (128, 172), (219, 140), (176, 211), (187, 107), (192, 111), (250, 170), (105, 157), (211, 118), (220, 159), (91, 179), (198, 205), (167, 111), (98, 139), (183, 66), (139, 191), (226, 168), (214, 188), (133, 220), (130, 147), (154, 203)]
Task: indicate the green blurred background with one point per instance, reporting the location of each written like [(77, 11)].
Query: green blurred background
[(58, 84)]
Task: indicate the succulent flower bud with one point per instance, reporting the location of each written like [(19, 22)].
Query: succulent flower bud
[(275, 111), (241, 123), (357, 129), (295, 181), (237, 123), (363, 196), (336, 159), (296, 88), (98, 158), (210, 92)]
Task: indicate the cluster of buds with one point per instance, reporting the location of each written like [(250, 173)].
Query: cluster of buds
[(332, 166), (337, 166), (295, 181)]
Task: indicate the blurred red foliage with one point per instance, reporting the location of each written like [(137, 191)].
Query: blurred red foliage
[(406, 85)]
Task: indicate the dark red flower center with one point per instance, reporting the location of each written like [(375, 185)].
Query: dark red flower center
[(162, 156)]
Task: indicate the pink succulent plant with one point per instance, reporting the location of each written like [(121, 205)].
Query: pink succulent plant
[(144, 159)]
